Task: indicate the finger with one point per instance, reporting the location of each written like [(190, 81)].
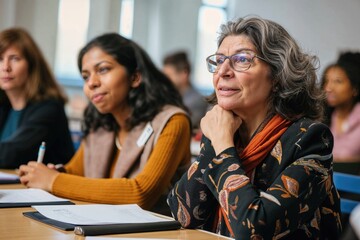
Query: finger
[(24, 180), (23, 170), (51, 166), (34, 164)]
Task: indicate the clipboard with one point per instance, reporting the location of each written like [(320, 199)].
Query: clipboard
[(94, 230), (9, 181), (29, 204), (8, 178), (41, 218)]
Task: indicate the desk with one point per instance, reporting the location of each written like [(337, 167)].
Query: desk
[(15, 226)]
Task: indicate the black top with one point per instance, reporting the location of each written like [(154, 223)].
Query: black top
[(39, 121), (292, 196)]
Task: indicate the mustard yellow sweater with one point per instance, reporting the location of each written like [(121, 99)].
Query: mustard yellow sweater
[(172, 150)]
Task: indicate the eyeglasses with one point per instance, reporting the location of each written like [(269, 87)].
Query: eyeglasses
[(239, 62)]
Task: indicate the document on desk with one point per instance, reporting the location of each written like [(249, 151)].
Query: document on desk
[(98, 214), (102, 219), (28, 197), (121, 238), (6, 178)]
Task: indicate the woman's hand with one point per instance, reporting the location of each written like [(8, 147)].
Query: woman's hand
[(37, 175), (219, 126)]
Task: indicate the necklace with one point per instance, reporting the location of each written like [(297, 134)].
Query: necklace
[(117, 143)]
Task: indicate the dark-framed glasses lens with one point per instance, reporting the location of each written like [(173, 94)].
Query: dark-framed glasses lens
[(241, 61), (213, 62)]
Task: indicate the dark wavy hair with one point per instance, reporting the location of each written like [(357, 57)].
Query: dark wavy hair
[(145, 101), (349, 62), (295, 92)]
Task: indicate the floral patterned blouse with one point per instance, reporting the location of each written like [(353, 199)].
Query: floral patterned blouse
[(292, 195)]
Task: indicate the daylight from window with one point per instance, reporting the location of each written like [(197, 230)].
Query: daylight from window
[(210, 18), (72, 35), (126, 18)]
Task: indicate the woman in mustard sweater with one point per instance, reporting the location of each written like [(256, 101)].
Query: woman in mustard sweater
[(136, 132)]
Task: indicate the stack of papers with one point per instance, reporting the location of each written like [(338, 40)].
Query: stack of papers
[(98, 214), (101, 219)]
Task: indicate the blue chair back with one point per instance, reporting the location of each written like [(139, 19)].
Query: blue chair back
[(350, 184), (76, 138)]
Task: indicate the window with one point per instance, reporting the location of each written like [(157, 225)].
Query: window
[(211, 15), (126, 18), (71, 37)]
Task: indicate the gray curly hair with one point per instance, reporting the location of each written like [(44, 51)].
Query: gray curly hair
[(295, 92)]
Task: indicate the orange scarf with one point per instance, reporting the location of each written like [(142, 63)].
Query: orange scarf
[(255, 152), (262, 143)]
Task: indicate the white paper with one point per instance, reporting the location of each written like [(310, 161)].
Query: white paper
[(113, 238), (98, 214), (30, 195), (8, 176)]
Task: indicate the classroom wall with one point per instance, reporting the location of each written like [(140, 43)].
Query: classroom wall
[(104, 17), (39, 17), (162, 26)]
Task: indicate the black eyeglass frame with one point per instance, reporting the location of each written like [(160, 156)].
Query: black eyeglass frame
[(210, 66)]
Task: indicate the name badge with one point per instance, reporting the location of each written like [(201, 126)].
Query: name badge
[(145, 135)]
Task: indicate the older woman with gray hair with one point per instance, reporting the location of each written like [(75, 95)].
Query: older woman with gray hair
[(265, 166)]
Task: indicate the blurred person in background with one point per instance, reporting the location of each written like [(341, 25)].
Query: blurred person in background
[(341, 83), (31, 104), (177, 67)]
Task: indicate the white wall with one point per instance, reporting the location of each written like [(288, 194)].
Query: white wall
[(104, 17), (39, 17), (323, 27), (162, 26)]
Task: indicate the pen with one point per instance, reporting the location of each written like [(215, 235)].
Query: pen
[(41, 152)]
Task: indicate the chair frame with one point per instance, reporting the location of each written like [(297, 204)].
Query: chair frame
[(350, 184)]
